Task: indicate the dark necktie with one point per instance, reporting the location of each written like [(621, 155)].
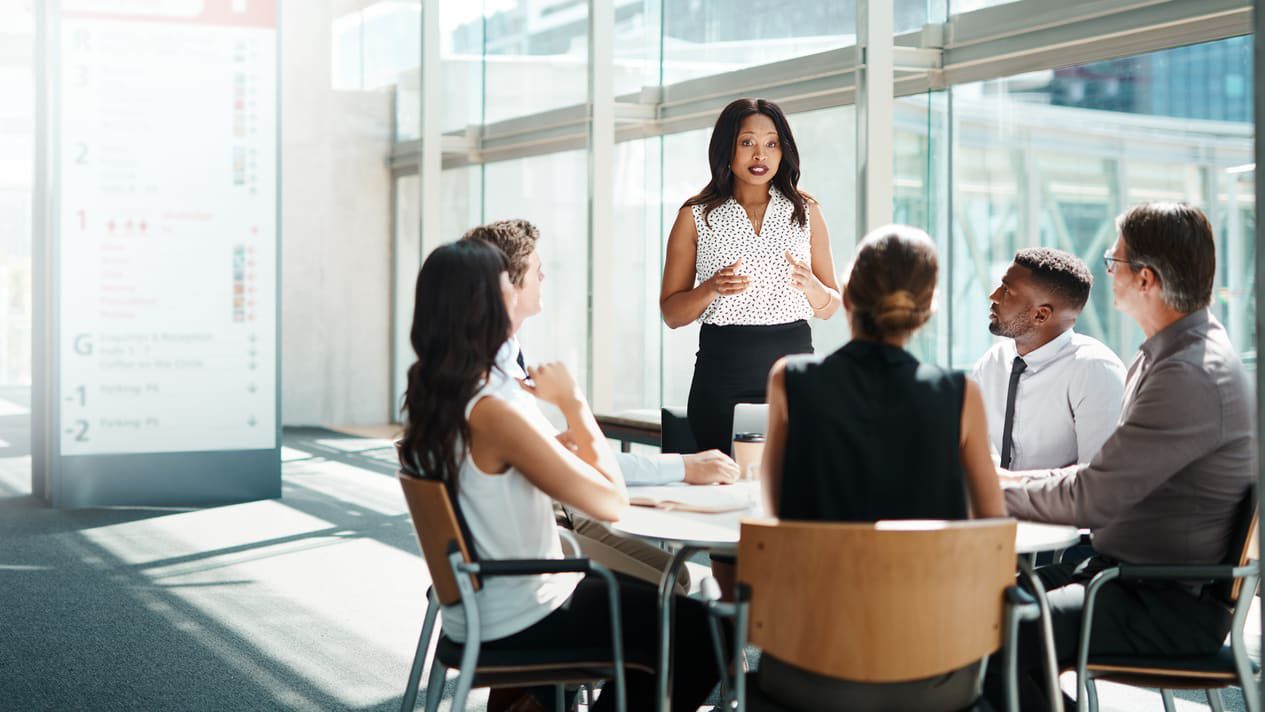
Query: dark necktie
[(522, 362), (1007, 443)]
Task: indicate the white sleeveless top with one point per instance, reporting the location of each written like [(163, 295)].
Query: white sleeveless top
[(509, 518), (770, 299)]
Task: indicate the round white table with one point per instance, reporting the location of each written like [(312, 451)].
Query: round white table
[(718, 533), (688, 533)]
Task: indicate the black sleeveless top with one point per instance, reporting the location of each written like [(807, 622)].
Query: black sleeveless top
[(872, 434)]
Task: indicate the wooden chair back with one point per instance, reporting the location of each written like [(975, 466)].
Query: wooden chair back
[(436, 525), (879, 602), (1243, 544)]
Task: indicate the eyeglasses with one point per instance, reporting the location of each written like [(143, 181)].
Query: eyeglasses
[(1109, 260)]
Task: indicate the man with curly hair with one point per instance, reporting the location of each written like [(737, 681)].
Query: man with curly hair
[(1052, 395)]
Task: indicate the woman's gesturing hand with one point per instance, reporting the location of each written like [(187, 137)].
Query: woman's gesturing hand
[(803, 279), (727, 281), (552, 383)]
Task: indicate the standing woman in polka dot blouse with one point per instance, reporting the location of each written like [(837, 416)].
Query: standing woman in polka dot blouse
[(749, 256)]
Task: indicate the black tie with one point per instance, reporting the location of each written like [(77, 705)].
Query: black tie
[(1007, 444), (522, 362)]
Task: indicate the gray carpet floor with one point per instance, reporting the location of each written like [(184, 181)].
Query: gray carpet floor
[(310, 602)]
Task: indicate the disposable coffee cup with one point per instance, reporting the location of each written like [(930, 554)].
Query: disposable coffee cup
[(748, 453)]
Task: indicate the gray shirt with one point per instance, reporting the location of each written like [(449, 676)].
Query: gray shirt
[(1165, 486)]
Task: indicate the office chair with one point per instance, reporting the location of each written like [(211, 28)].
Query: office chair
[(1237, 577), (877, 603), (456, 576)]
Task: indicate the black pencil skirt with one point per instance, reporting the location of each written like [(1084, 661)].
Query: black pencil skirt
[(731, 367)]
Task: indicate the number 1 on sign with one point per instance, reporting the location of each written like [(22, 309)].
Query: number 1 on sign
[(83, 219)]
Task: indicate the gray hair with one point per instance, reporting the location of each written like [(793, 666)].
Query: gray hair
[(1175, 241)]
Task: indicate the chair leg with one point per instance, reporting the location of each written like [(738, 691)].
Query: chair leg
[(1169, 704), (1214, 699), (465, 680), (414, 677), (560, 698), (419, 658), (1091, 694), (1247, 680), (435, 686)]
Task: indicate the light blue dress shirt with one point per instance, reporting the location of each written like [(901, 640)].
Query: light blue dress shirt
[(638, 469)]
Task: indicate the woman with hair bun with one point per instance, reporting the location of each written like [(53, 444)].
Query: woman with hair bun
[(869, 433)]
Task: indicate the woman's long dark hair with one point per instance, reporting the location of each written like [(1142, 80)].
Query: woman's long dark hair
[(459, 323), (720, 153)]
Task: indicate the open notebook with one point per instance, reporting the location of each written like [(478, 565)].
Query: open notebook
[(710, 499)]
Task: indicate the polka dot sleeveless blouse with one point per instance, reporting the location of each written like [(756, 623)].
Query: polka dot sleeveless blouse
[(770, 299)]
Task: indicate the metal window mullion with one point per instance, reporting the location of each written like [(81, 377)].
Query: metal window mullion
[(601, 205), (430, 149), (875, 108), (1036, 17), (1034, 35), (984, 44)]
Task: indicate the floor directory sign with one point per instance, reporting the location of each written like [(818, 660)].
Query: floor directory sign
[(165, 266)]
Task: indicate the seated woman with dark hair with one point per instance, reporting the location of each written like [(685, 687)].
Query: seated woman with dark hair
[(469, 426), (869, 433)]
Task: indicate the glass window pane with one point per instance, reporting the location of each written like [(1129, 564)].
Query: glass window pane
[(460, 205), (685, 172), (376, 46), (1051, 158), (536, 57), (827, 152), (705, 38), (701, 39), (637, 46), (633, 374), (919, 198), (461, 64), (960, 6), (552, 192)]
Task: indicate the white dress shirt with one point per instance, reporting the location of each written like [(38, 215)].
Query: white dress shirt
[(638, 469), (1066, 405)]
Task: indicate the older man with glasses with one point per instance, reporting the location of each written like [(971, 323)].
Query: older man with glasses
[(1165, 487)]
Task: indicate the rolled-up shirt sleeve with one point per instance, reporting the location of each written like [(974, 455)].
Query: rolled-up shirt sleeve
[(1174, 419)]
